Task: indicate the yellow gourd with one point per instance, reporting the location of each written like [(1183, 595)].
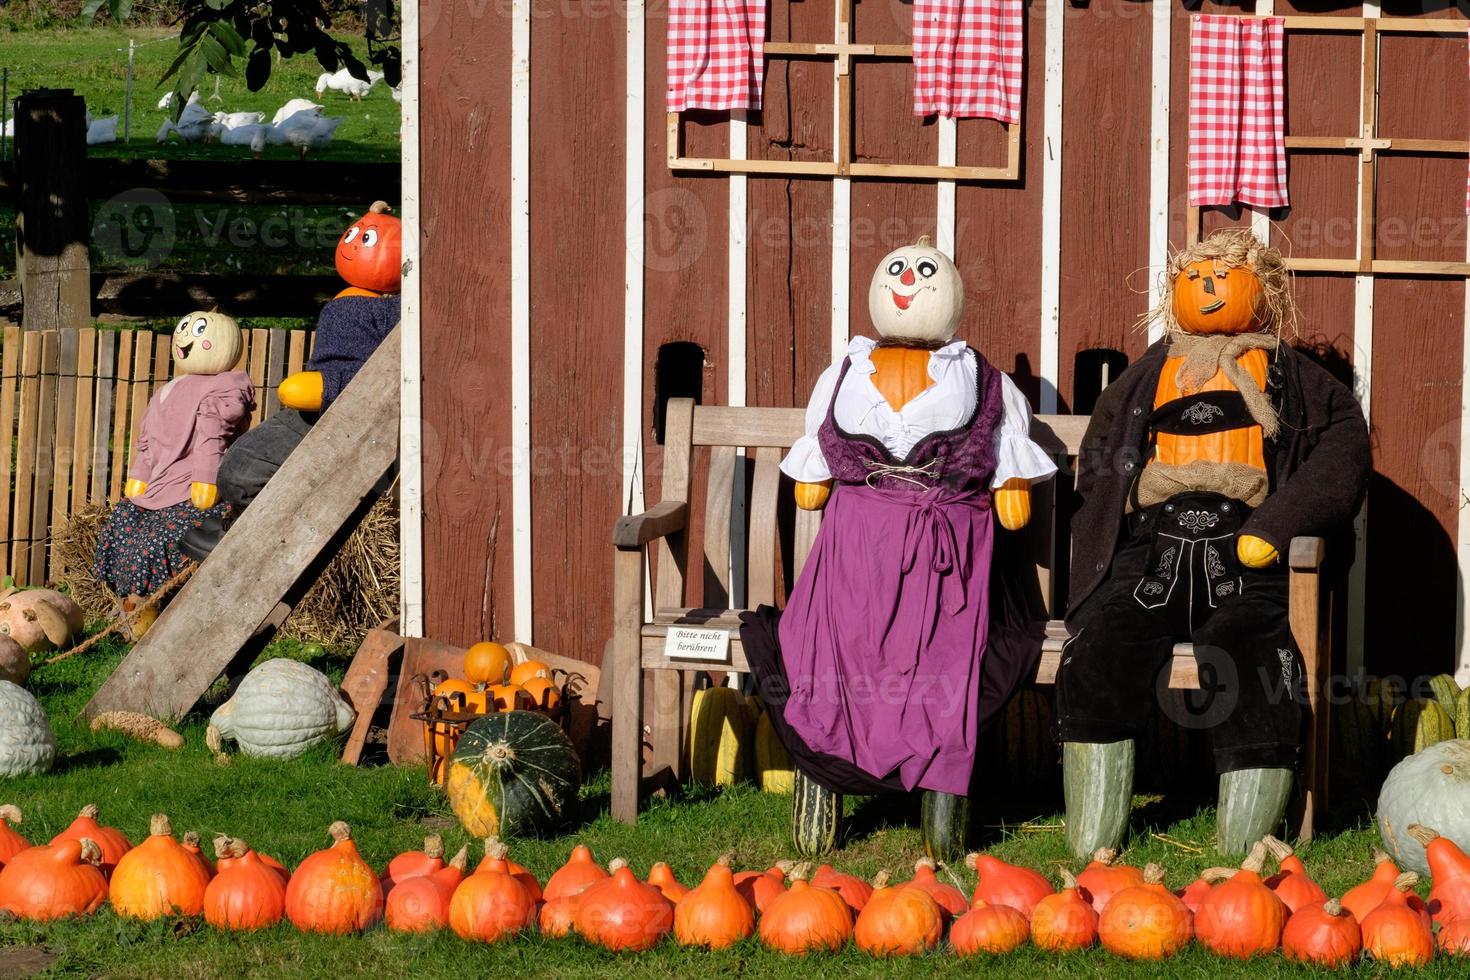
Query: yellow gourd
[(719, 737)]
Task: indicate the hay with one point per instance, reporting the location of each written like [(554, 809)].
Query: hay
[(356, 592), (1235, 248)]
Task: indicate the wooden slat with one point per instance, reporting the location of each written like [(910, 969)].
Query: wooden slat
[(86, 370), (1183, 671), (9, 387), (1060, 435), (258, 342), (717, 529), (808, 522), (25, 456), (102, 414), (763, 526), (668, 688), (719, 425), (163, 361), (64, 443), (275, 370), (140, 390), (45, 458), (120, 402), (296, 359)]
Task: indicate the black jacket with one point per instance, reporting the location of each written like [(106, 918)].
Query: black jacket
[(1320, 462)]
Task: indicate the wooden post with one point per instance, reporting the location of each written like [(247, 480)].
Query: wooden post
[(53, 227)]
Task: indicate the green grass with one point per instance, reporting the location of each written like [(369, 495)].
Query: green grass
[(284, 809)]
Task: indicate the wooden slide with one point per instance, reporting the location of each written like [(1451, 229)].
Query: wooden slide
[(227, 612)]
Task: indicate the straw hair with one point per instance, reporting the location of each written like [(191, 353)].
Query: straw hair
[(1233, 248)]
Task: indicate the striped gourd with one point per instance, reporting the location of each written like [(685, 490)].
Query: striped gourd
[(944, 824), (773, 770), (1434, 727), (719, 737), (1462, 714), (1446, 692), (1417, 724), (1357, 746), (816, 817), (514, 774)]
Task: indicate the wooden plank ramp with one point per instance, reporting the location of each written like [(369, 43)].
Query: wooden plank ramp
[(253, 574)]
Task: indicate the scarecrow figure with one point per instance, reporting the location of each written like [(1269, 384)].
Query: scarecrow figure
[(350, 327), (1201, 462), (883, 667), (172, 482)]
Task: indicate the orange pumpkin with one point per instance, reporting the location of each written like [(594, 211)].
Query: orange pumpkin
[(421, 904), (370, 251), (501, 697), (622, 913), (1103, 877), (661, 876), (1006, 884), (158, 878), (1147, 921), (713, 914), (1449, 899), (573, 877), (490, 905), (416, 864), (487, 663), (11, 842), (558, 917), (247, 894), (761, 888), (1292, 884), (898, 920), (526, 670), (191, 843), (949, 897), (1396, 933), (498, 857), (53, 882), (1064, 921), (989, 928), (228, 850), (1366, 897), (114, 842), (334, 891), (1241, 917), (900, 374), (543, 693), (854, 891), (806, 919), (1211, 297), (1325, 935), (1453, 938), (1244, 445)]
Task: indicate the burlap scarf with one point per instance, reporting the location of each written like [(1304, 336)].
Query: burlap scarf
[(1204, 354)]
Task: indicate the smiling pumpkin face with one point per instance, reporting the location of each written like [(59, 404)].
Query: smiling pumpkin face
[(916, 295), (206, 343), (370, 252), (1211, 297)]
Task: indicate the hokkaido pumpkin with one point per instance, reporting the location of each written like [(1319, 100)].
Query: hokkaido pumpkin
[(227, 850), (573, 877), (622, 913), (806, 919), (558, 917), (370, 252), (503, 863), (1241, 917), (1325, 935), (490, 905), (335, 891), (487, 663), (949, 897), (989, 928), (1211, 297), (53, 882), (514, 774), (1103, 878), (1394, 932), (421, 903), (714, 915), (1065, 921), (1449, 899), (1366, 897), (1194, 893), (416, 864), (1292, 884), (1006, 884), (158, 877), (661, 876), (761, 888), (1453, 938), (11, 842), (526, 670), (1147, 921), (898, 920), (114, 842), (191, 843), (246, 894), (854, 891)]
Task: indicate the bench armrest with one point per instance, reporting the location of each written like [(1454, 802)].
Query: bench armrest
[(1307, 554), (660, 520)]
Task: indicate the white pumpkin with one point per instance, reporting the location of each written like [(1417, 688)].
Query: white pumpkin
[(916, 295), (1432, 788), (26, 743), (281, 709), (206, 343)]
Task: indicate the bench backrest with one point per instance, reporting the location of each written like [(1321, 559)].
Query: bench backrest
[(743, 536)]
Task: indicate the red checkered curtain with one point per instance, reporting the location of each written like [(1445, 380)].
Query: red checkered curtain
[(715, 54), (968, 58), (1237, 112)]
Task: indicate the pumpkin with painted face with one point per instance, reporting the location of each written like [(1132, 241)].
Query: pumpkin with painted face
[(1211, 297), (206, 343), (916, 295), (370, 253)]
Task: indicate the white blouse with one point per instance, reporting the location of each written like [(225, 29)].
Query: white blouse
[(946, 404)]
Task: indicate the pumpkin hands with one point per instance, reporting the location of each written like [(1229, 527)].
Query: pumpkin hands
[(203, 495), (1013, 503), (302, 391), (1254, 552), (135, 488), (813, 496)]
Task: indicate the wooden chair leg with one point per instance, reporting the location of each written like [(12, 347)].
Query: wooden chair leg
[(1307, 625), (627, 685)]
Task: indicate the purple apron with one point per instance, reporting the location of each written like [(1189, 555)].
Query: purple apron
[(884, 632)]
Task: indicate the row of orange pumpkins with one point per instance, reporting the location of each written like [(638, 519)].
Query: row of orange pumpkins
[(1237, 913), (493, 680)]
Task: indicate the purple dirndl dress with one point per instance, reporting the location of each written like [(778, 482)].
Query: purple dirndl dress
[(882, 640)]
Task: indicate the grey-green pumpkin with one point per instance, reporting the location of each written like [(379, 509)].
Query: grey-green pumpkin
[(1432, 788), (281, 709), (26, 743)]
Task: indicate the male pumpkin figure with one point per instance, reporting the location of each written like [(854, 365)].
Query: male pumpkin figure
[(1200, 464), (351, 326), (879, 675), (171, 487)]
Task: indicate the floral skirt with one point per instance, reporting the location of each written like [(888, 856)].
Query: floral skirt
[(138, 548)]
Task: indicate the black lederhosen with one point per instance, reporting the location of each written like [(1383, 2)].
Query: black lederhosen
[(1175, 578)]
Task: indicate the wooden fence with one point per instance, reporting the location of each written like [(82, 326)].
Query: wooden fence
[(71, 404)]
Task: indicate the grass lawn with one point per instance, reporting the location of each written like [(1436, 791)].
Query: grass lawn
[(284, 809)]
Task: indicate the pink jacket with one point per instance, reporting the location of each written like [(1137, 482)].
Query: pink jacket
[(189, 424)]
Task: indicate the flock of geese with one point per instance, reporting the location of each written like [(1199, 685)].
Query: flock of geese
[(299, 123)]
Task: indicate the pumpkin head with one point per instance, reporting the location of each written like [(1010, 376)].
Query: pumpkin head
[(1241, 917), (206, 343), (713, 914), (898, 920), (1325, 934), (1211, 297), (916, 295), (1230, 283), (370, 251)]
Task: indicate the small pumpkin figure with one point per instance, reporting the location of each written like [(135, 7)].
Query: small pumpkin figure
[(370, 253), (173, 479)]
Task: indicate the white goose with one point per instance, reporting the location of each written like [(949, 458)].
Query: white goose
[(193, 125), (306, 132), (345, 82), (293, 107), (167, 102), (102, 130), (226, 122)]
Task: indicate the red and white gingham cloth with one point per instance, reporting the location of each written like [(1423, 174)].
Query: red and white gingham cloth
[(1237, 112), (716, 58), (968, 58)]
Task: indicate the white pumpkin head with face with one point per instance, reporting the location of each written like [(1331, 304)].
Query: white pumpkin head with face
[(916, 295), (206, 343)]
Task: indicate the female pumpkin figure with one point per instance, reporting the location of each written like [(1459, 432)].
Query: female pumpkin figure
[(350, 327), (172, 481), (1200, 464), (880, 658)]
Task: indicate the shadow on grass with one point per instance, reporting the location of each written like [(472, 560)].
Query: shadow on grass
[(99, 758)]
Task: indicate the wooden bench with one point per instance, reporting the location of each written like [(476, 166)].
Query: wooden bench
[(741, 547)]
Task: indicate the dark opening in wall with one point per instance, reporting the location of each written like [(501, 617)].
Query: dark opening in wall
[(1092, 371), (677, 373)]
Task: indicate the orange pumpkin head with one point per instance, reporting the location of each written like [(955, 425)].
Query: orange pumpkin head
[(1229, 283), (1211, 297), (370, 252)]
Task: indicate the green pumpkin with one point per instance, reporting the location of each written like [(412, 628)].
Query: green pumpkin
[(1446, 692), (1431, 788), (514, 774)]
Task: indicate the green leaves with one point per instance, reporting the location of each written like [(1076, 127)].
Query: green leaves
[(118, 10)]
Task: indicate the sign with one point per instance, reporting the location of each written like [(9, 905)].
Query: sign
[(693, 643)]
